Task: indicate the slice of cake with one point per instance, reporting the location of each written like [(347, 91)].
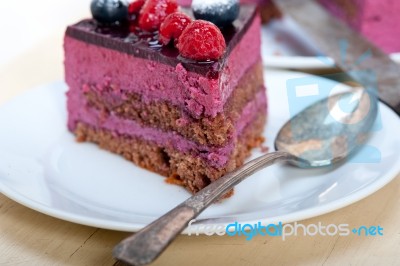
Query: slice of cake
[(376, 20), (191, 114)]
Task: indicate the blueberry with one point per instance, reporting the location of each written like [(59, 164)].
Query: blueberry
[(220, 12), (109, 11)]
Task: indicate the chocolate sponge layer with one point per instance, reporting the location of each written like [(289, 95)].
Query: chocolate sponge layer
[(186, 169)]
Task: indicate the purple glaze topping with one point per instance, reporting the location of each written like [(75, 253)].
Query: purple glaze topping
[(131, 40)]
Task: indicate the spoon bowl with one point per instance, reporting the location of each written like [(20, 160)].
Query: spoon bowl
[(323, 134)]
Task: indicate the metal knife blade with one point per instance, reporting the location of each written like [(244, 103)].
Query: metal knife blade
[(326, 31)]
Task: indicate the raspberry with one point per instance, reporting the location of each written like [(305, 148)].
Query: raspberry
[(135, 6), (173, 26), (202, 41), (154, 12)]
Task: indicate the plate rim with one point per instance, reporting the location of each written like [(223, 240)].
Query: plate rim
[(307, 62)]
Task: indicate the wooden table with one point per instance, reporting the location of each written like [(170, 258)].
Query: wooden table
[(31, 238)]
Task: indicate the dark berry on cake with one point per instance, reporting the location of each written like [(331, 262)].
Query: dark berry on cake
[(154, 12), (173, 26), (135, 6), (202, 41), (220, 12), (109, 11)]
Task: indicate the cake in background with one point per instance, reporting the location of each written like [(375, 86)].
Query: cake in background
[(177, 96), (377, 20)]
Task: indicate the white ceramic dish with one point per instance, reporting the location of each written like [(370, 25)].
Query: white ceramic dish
[(286, 45), (43, 168)]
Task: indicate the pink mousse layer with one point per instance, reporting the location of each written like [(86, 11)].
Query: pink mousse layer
[(376, 20), (80, 111), (196, 94)]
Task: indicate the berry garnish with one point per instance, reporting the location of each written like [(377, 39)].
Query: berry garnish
[(135, 6), (201, 41), (109, 11), (173, 26), (220, 12), (154, 12)]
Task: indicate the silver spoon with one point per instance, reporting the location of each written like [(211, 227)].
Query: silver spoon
[(321, 135)]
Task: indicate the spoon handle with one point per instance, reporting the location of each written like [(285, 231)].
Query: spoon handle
[(146, 245)]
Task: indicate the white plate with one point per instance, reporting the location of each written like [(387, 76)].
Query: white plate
[(286, 45), (42, 167)]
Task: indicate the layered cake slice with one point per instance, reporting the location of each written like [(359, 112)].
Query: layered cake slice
[(187, 101)]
